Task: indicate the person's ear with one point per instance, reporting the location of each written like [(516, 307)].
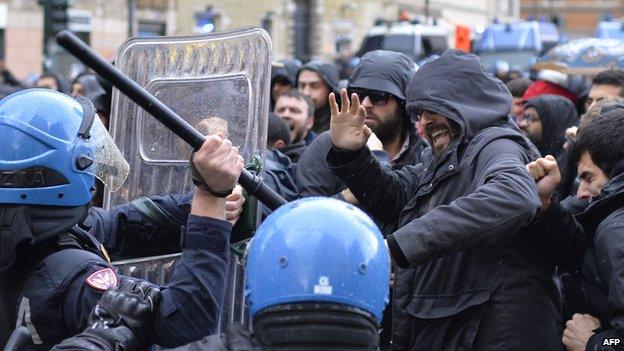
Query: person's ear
[(278, 145)]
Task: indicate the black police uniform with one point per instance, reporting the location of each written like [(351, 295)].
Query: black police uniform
[(54, 302)]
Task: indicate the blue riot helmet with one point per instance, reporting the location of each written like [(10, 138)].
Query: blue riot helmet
[(53, 149), (320, 267)]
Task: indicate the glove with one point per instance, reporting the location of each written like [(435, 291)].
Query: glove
[(111, 339), (131, 304)]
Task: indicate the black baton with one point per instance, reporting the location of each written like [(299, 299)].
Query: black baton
[(70, 42)]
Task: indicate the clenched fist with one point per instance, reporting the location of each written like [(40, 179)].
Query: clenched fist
[(218, 163), (578, 331), (545, 172)]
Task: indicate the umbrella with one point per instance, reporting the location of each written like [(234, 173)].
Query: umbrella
[(584, 56)]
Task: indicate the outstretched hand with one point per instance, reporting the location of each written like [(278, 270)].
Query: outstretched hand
[(347, 128)]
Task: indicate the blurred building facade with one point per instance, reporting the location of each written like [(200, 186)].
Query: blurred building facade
[(302, 28), (577, 18)]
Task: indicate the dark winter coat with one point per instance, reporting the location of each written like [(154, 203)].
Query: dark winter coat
[(294, 151), (314, 178), (590, 247), (470, 278), (603, 268)]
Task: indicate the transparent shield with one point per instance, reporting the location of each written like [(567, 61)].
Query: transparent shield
[(215, 106), (218, 83), (109, 165)]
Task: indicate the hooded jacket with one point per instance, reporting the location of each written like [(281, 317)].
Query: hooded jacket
[(383, 70), (557, 114), (289, 70), (470, 278), (603, 271), (380, 70), (329, 74), (590, 246)]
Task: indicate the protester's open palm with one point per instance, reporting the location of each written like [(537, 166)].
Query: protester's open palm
[(347, 127)]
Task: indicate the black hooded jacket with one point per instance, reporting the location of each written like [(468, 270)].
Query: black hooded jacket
[(603, 268), (557, 114), (380, 70), (474, 281), (289, 70), (329, 74), (383, 70), (590, 246)]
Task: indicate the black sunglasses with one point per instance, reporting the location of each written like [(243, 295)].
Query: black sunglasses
[(377, 98)]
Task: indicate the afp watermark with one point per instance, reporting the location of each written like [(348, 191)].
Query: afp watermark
[(608, 344), (611, 342)]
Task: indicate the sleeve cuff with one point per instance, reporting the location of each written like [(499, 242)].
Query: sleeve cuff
[(337, 157), (605, 339), (553, 214), (206, 233), (396, 252), (346, 164)]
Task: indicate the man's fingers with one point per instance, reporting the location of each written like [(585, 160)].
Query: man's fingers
[(355, 105), (366, 130), (550, 157), (361, 114), (536, 169), (239, 163), (532, 168), (539, 169), (212, 143), (234, 207), (344, 100), (234, 201), (238, 190), (333, 106)]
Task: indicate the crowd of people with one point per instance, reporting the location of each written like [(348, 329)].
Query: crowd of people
[(499, 203)]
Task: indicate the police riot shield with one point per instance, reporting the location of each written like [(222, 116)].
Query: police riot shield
[(218, 83)]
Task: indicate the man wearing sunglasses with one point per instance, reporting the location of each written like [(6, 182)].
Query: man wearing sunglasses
[(380, 80), (469, 278)]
